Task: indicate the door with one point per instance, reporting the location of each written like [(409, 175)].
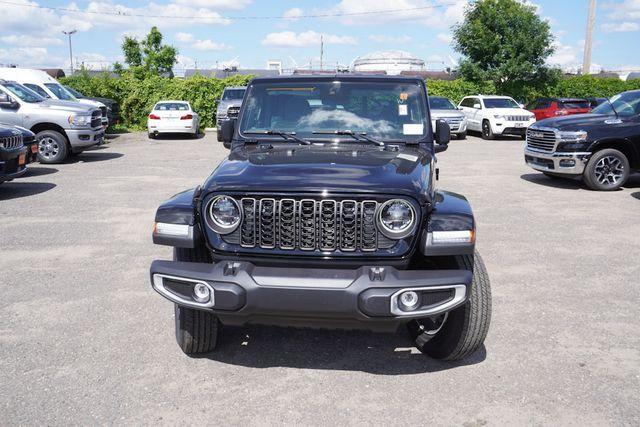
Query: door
[(474, 118), (11, 116)]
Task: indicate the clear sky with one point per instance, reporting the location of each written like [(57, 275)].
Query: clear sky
[(218, 31)]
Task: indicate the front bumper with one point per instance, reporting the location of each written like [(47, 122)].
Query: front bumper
[(84, 138), (365, 298), (12, 163), (557, 162), (503, 127)]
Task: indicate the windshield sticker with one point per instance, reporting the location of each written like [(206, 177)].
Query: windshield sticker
[(404, 96), (403, 110), (412, 129)]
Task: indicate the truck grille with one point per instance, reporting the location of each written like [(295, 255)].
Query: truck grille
[(103, 110), (541, 140), (11, 142), (516, 118), (325, 225), (453, 122), (232, 112), (96, 119)]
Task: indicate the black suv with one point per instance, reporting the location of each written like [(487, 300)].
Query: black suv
[(325, 214), (18, 147), (603, 147)]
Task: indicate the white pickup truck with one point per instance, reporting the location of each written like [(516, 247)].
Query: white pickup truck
[(61, 127)]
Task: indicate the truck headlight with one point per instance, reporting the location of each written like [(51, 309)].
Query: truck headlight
[(224, 214), (396, 219), (80, 121), (579, 136)]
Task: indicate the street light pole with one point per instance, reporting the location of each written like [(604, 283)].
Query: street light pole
[(588, 41), (70, 33)]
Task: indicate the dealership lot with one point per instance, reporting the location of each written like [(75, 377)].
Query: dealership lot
[(85, 339)]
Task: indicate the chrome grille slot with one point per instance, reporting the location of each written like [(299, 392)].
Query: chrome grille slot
[(267, 223), (233, 112), (349, 225), (328, 225), (516, 118), (453, 122), (11, 142), (248, 227), (541, 140), (307, 223), (287, 224), (368, 222)]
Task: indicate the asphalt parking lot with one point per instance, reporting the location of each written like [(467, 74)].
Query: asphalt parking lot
[(85, 340)]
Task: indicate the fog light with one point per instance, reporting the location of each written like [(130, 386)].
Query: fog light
[(201, 292), (567, 163), (408, 301)]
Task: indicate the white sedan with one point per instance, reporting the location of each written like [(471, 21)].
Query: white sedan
[(173, 117)]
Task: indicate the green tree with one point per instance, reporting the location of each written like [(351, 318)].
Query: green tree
[(506, 42), (149, 54)]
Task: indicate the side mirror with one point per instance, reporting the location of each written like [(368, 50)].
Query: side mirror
[(477, 106), (443, 136), (225, 133), (7, 102)]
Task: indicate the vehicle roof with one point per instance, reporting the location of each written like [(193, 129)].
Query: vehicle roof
[(336, 76), (490, 96), (235, 87), (172, 100), (26, 75)]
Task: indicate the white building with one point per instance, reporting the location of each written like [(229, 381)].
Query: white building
[(392, 62)]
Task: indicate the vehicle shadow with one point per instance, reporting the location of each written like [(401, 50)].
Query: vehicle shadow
[(566, 183), (92, 156), (374, 353), (175, 136), (18, 189), (632, 182), (39, 171), (636, 195)]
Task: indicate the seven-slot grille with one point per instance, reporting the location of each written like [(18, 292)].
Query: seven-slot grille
[(11, 142), (306, 224), (541, 140), (516, 118), (232, 112), (453, 122)]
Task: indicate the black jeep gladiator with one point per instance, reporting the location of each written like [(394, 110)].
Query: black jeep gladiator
[(14, 155), (325, 214), (602, 147)]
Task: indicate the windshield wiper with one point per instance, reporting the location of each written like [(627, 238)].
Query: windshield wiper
[(286, 135), (359, 136)]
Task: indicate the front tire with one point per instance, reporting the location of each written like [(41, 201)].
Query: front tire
[(52, 147), (487, 132), (462, 135), (196, 330), (607, 170), (465, 328)]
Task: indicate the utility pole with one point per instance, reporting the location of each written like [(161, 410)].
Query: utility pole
[(588, 40), (321, 50), (70, 33)]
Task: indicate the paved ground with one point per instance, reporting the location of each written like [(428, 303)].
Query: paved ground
[(84, 339)]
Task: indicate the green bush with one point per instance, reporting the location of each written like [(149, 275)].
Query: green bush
[(137, 93), (457, 89)]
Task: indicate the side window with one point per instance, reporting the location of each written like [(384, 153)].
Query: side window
[(37, 89), (544, 104), (467, 102)]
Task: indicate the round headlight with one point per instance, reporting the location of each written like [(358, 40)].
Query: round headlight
[(396, 219), (224, 213)]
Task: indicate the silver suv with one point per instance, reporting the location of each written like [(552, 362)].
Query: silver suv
[(229, 103), (61, 127)]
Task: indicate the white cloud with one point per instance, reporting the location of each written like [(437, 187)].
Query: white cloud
[(381, 38), (564, 55), (627, 10), (293, 13), (209, 44), (307, 38), (620, 27), (184, 37), (216, 4), (35, 57), (25, 40), (445, 38), (435, 58)]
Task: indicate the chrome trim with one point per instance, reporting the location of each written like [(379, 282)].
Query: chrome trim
[(460, 292), (11, 142), (392, 234), (581, 158), (158, 285)]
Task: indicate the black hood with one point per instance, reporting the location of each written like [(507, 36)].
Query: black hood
[(574, 122), (343, 168)]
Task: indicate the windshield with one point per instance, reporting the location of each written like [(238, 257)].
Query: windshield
[(171, 106), (74, 92), (25, 94), (60, 92), (500, 103), (626, 104), (441, 104), (574, 103), (232, 94), (383, 110)]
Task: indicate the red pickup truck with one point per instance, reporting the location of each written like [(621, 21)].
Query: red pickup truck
[(545, 108)]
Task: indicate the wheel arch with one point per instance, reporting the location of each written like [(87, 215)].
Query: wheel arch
[(39, 127), (623, 145)]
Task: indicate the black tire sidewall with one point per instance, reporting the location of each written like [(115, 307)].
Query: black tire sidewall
[(589, 172), (489, 134), (62, 142)]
